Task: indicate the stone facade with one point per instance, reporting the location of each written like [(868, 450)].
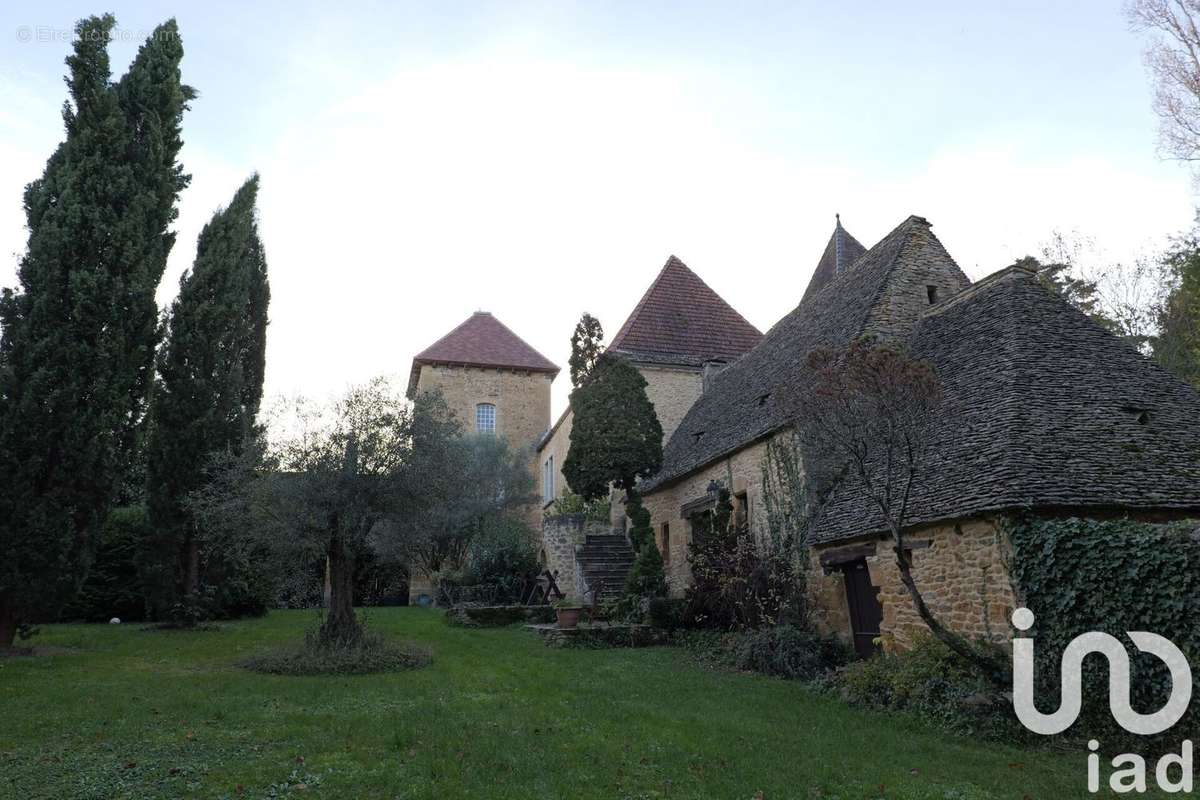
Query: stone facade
[(551, 455), (672, 391), (741, 473), (959, 567)]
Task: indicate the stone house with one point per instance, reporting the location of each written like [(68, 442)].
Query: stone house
[(1042, 411)]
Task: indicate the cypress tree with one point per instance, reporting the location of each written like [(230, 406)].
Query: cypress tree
[(208, 388), (616, 437), (77, 337)]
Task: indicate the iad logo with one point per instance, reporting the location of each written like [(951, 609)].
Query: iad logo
[(1133, 777)]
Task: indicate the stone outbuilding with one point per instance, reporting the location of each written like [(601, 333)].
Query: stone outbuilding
[(1043, 411)]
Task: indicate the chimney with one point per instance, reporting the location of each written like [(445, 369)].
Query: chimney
[(712, 369)]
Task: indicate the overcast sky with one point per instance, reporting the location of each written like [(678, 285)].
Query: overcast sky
[(536, 160)]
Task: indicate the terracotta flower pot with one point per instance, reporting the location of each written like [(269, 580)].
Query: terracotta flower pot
[(567, 617)]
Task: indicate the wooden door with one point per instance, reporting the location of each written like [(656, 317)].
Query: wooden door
[(865, 612)]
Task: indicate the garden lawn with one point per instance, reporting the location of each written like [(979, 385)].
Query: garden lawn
[(118, 711)]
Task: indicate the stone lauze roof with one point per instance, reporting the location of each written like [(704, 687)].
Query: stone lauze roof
[(681, 321), (480, 341), (1041, 406)]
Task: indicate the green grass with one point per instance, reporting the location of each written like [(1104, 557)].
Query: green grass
[(137, 714)]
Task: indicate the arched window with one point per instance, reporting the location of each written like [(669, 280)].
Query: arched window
[(485, 418)]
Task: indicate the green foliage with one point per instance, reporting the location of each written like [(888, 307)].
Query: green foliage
[(615, 437), (783, 651), (497, 616), (206, 399), (587, 344), (370, 653), (598, 510), (113, 587), (667, 613), (1081, 575), (739, 582), (79, 334), (934, 683), (1177, 345), (640, 530), (501, 557)]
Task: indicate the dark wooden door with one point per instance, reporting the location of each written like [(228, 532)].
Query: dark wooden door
[(865, 611)]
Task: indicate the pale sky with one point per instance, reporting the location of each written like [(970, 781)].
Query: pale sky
[(422, 161)]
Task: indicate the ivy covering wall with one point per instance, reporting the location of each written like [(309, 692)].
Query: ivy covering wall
[(1080, 575)]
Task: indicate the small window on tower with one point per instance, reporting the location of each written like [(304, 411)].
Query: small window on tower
[(931, 291), (485, 418)]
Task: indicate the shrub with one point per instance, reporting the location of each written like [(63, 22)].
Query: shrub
[(599, 510), (500, 560), (784, 651), (667, 613), (739, 582), (789, 652), (934, 683), (371, 653), (646, 581)]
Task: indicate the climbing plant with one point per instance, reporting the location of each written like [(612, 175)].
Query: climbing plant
[(1080, 575)]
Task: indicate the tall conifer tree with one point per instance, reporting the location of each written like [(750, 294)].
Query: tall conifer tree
[(77, 337), (209, 385)]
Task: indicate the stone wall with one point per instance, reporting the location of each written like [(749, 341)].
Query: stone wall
[(557, 447), (959, 568), (672, 390), (560, 536), (741, 473)]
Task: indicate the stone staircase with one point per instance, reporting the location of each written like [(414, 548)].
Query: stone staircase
[(605, 561)]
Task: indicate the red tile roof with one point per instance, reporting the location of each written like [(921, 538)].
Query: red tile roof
[(680, 320), (480, 341)]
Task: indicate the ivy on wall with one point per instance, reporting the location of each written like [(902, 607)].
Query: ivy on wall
[(1080, 575)]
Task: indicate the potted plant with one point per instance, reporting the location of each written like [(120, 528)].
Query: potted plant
[(567, 609)]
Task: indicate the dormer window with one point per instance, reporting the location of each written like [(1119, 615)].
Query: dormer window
[(931, 292), (485, 418), (1140, 415)]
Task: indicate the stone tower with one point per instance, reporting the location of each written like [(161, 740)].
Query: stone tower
[(492, 380)]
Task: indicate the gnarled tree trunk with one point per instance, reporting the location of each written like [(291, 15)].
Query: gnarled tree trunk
[(341, 627)]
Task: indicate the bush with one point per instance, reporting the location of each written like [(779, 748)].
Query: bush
[(372, 653), (599, 510), (789, 652), (783, 651), (934, 683), (667, 613), (113, 587), (739, 582), (501, 558), (646, 581)]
